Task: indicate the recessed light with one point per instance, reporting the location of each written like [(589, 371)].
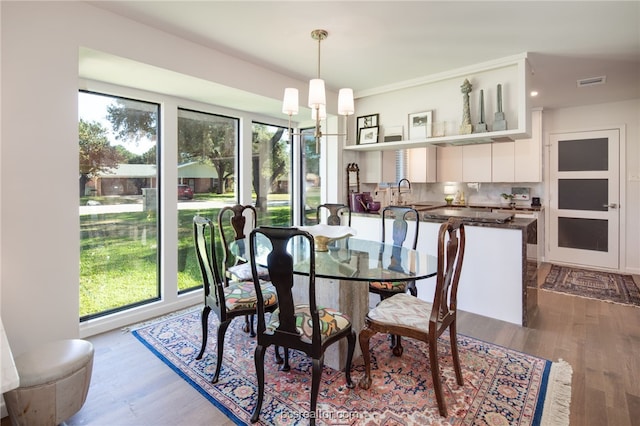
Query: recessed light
[(534, 93)]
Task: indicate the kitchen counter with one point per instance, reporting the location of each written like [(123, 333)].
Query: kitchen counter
[(499, 279)]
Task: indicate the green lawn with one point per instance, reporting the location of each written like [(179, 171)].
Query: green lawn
[(119, 252)]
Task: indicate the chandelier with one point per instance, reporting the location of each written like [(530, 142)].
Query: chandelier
[(317, 100)]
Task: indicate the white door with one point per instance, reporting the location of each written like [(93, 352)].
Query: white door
[(584, 198)]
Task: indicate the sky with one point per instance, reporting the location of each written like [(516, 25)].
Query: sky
[(94, 108)]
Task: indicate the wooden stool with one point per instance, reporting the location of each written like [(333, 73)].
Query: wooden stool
[(54, 382)]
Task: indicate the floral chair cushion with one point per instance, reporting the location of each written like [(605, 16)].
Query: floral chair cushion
[(242, 295), (402, 309), (397, 286), (331, 322)]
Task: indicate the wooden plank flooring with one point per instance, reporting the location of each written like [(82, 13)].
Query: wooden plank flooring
[(601, 341)]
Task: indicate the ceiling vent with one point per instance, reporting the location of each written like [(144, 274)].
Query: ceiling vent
[(593, 81)]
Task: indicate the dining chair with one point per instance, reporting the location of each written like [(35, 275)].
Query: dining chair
[(405, 315), (400, 231), (304, 327), (334, 213), (227, 300), (233, 222)]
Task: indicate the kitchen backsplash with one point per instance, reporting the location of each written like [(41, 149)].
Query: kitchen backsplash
[(477, 193)]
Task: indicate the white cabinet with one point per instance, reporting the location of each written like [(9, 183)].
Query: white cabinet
[(449, 164), (528, 153), (377, 166), (422, 164), (476, 163), (502, 160), (520, 161)]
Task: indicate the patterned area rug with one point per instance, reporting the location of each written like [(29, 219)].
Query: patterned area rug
[(501, 386), (606, 286)]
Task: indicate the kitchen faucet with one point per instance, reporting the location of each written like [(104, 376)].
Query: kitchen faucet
[(399, 194)]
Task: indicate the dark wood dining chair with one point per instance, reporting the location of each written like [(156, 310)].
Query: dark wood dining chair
[(405, 315), (227, 300), (233, 222), (304, 327), (400, 232), (335, 213)]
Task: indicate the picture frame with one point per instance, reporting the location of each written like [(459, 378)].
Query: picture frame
[(370, 120), (420, 125), (368, 135)]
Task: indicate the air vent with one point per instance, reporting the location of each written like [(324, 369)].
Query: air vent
[(593, 81)]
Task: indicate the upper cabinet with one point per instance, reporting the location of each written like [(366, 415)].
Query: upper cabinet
[(421, 164), (440, 97), (520, 161), (476, 163), (377, 167), (449, 164)]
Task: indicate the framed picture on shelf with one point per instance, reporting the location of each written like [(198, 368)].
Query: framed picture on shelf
[(420, 125), (367, 121), (368, 135)]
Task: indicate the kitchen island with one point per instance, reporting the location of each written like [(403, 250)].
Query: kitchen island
[(498, 280)]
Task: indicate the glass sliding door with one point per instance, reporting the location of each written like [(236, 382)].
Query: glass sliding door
[(118, 203)]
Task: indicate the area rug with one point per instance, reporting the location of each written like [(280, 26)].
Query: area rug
[(501, 386), (599, 285)]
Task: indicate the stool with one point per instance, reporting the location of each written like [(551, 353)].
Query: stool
[(54, 382)]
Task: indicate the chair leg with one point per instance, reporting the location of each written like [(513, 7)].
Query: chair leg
[(454, 352), (365, 335), (435, 374), (248, 325), (279, 359), (205, 329), (351, 339), (398, 349), (285, 366), (413, 289), (222, 329), (315, 387), (259, 361)]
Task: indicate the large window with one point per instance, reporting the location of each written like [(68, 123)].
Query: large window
[(309, 177), (207, 159), (118, 182), (271, 174)]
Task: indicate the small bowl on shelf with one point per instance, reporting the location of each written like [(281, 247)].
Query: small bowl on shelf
[(448, 199)]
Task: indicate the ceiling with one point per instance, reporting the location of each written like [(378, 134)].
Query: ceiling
[(376, 44)]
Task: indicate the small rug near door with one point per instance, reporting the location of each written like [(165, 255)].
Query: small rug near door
[(501, 386), (599, 285)]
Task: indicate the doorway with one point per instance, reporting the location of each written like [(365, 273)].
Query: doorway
[(584, 198)]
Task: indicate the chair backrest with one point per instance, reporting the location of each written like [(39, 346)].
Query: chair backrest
[(204, 240), (400, 227), (233, 222), (334, 209), (451, 245), (280, 263)]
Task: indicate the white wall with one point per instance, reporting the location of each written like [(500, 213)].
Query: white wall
[(611, 115), (39, 168)]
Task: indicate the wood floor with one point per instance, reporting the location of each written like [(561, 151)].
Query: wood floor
[(601, 341)]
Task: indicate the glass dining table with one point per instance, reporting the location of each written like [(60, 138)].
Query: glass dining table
[(343, 274)]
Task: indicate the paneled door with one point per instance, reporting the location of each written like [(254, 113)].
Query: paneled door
[(584, 198)]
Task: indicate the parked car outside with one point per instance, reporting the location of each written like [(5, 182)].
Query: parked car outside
[(185, 192)]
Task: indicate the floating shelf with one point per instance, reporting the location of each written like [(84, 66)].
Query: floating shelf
[(470, 139)]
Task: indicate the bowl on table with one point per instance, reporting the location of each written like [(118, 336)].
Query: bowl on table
[(323, 234)]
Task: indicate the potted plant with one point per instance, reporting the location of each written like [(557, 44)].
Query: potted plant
[(506, 198)]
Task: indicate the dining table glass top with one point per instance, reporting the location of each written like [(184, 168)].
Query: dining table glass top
[(354, 259)]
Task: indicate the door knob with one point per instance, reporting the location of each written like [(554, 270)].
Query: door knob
[(611, 206)]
